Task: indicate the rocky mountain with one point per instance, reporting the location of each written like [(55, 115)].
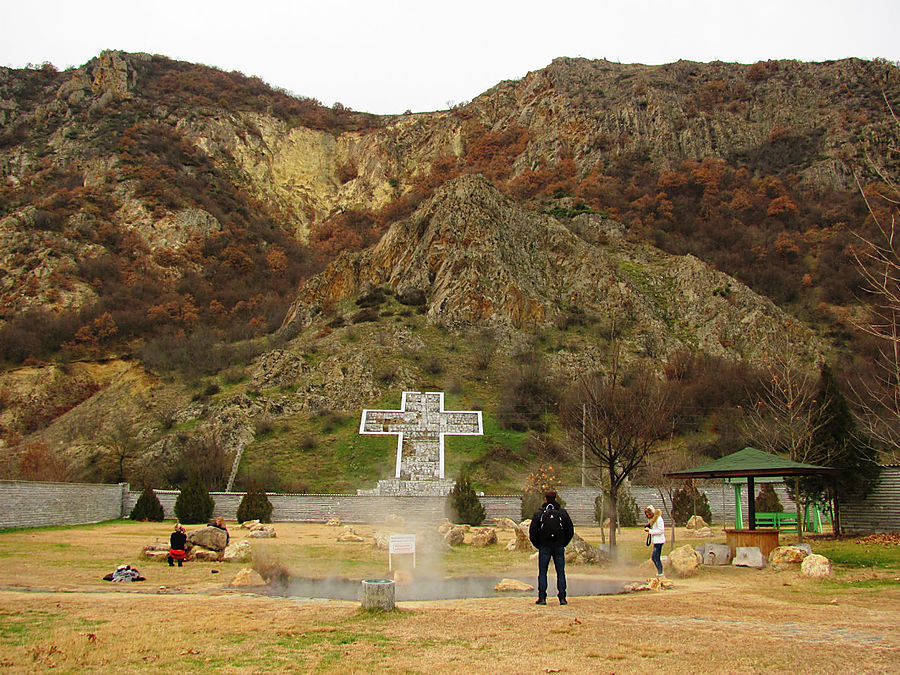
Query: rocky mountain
[(470, 257), (226, 257)]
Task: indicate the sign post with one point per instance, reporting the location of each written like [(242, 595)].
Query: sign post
[(402, 544)]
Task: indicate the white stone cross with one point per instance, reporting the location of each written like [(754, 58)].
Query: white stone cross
[(422, 424)]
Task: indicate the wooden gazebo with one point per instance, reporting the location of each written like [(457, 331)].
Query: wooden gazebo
[(751, 463)]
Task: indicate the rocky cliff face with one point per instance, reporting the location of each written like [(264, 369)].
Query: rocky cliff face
[(477, 259)]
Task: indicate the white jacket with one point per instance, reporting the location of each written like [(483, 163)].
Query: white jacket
[(658, 531)]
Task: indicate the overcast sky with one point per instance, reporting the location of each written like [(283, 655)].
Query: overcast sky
[(394, 55)]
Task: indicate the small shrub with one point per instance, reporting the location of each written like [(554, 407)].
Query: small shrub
[(255, 505), (627, 509), (148, 507), (689, 501), (464, 503), (194, 504), (536, 485), (264, 426), (767, 500)]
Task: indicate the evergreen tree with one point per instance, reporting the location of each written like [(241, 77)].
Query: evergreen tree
[(689, 501), (838, 444), (767, 500), (464, 503), (194, 504), (148, 507), (255, 505)]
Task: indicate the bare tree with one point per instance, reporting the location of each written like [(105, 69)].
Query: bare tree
[(787, 416), (618, 416), (878, 260), (121, 445)]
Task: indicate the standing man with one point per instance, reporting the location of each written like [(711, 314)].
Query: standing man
[(550, 532)]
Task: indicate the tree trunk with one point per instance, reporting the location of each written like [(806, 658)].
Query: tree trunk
[(836, 517), (613, 520), (798, 504)]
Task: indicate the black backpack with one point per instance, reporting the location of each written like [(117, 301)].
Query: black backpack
[(551, 523)]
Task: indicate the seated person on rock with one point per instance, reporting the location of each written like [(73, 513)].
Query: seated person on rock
[(220, 523)]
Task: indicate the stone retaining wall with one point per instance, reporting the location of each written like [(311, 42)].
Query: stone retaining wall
[(33, 504)]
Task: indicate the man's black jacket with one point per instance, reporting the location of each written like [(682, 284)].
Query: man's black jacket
[(538, 539)]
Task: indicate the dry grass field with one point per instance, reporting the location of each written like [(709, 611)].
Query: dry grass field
[(57, 614)]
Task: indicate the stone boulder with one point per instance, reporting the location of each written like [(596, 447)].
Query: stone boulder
[(696, 523), (520, 541), (382, 540), (525, 524), (334, 522), (685, 561), (394, 520), (262, 532), (455, 536), (784, 557), (201, 554), (815, 566), (579, 551), (505, 524), (704, 532), (349, 534), (749, 556), (486, 537), (714, 554), (249, 524), (155, 551), (512, 585), (443, 526), (248, 577), (240, 551), (211, 538), (652, 584)]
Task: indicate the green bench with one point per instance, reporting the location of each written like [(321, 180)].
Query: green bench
[(779, 520)]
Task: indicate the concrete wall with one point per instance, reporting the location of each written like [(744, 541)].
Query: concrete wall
[(32, 504)]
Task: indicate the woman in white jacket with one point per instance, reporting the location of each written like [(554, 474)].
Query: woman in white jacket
[(656, 531)]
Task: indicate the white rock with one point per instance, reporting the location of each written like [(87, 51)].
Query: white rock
[(815, 566), (749, 556)]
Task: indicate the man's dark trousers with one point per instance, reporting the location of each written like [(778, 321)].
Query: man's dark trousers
[(558, 553)]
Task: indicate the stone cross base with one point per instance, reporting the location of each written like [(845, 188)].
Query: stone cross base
[(419, 488)]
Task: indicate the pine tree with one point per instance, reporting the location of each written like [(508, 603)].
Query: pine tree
[(689, 501), (255, 505), (767, 500), (839, 445), (464, 503), (194, 504), (147, 507)]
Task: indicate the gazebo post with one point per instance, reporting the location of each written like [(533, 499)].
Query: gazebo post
[(751, 502), (738, 508)]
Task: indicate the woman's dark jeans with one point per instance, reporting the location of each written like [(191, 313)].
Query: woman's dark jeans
[(656, 557)]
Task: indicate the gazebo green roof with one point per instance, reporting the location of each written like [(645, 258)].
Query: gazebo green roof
[(751, 462)]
